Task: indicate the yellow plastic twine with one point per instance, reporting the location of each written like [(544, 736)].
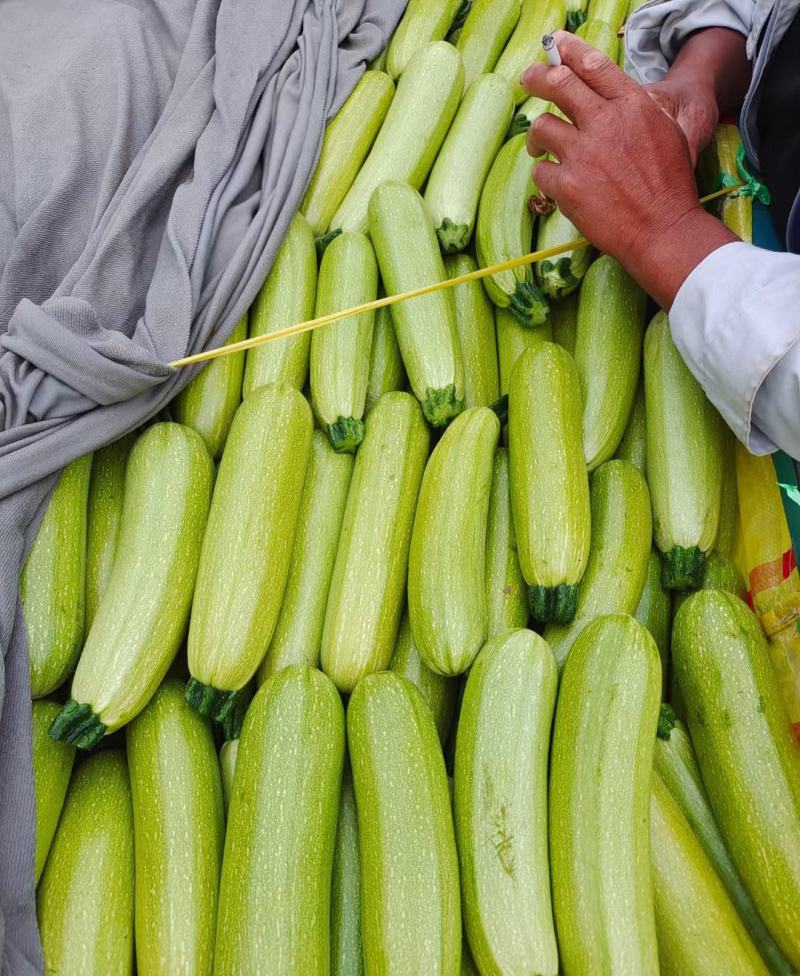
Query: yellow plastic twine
[(476, 275)]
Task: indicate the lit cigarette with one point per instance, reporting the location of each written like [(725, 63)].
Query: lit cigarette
[(551, 50)]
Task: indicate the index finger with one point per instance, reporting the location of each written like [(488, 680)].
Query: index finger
[(593, 67)]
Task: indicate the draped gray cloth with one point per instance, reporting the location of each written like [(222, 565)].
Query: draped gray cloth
[(152, 153)]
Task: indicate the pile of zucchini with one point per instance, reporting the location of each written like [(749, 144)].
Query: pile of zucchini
[(417, 644)]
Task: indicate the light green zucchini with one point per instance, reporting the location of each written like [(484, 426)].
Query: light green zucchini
[(247, 549), (746, 752), (367, 590), (600, 771), (409, 868), (386, 369), (53, 581), (513, 339), (698, 929), (560, 275), (504, 230), (719, 573), (347, 954), (599, 31), (506, 593), (227, 768), (684, 459), (549, 484), (608, 354), (144, 611), (275, 891), (439, 691), (728, 530), (619, 554), (104, 514), (675, 763), (408, 256), (423, 21), (178, 827), (415, 126), (298, 632), (340, 352), (501, 805), (564, 322), (609, 12), (286, 298), (52, 768), (85, 899), (488, 26), (655, 612), (378, 63), (537, 17), (209, 402), (476, 333), (447, 560), (459, 173), (348, 138), (633, 446)]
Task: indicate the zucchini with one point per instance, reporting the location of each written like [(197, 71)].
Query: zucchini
[(746, 752), (608, 354), (386, 370), (286, 298), (633, 446), (488, 26), (599, 31), (247, 549), (275, 891), (619, 554), (576, 13), (408, 256), (675, 763), (209, 402), (178, 829), (506, 593), (600, 771), (298, 631), (728, 530), (504, 229), (347, 955), (564, 322), (423, 21), (347, 140), (409, 868), (720, 162), (527, 114), (719, 573), (684, 459), (698, 929), (52, 768), (104, 514), (537, 17), (513, 339), (610, 13), (476, 334), (378, 63), (340, 353), (501, 805), (440, 692), (367, 590), (459, 173), (227, 769), (53, 581), (143, 614), (85, 899), (561, 275), (447, 560), (655, 612), (549, 484), (415, 126)]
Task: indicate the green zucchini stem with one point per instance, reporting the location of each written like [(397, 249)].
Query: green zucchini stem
[(683, 569), (557, 278), (324, 240), (574, 19), (666, 721), (553, 604), (225, 707), (528, 305), (440, 406), (78, 724), (346, 434), (520, 123), (500, 407), (453, 237)]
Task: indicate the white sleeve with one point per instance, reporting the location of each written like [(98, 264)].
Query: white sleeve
[(736, 322), (657, 30)]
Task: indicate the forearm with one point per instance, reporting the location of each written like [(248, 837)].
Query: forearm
[(715, 59)]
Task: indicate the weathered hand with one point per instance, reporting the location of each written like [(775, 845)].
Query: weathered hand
[(624, 174), (694, 108)]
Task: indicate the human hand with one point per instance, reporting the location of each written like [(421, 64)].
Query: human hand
[(692, 106), (624, 174)]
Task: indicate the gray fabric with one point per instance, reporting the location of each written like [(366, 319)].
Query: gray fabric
[(152, 153)]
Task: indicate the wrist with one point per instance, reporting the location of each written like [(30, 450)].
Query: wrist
[(713, 64), (666, 256)]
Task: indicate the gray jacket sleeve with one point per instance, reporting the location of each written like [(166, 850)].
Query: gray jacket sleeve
[(657, 30)]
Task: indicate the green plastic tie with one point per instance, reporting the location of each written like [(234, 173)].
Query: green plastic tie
[(753, 187)]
